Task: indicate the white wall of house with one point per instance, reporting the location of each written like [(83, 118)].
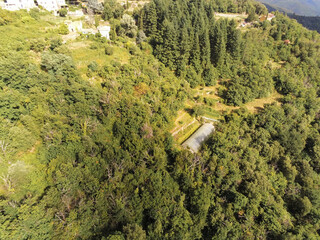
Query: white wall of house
[(51, 5), (15, 5), (104, 31), (74, 26)]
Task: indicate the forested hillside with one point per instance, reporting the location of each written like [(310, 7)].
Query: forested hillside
[(85, 144), (309, 22), (312, 23)]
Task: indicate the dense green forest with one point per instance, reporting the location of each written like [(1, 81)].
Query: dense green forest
[(312, 23), (85, 144)]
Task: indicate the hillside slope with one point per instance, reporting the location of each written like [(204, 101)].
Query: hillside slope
[(299, 7), (85, 145)]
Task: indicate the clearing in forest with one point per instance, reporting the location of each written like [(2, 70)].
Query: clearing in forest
[(235, 16), (212, 106)]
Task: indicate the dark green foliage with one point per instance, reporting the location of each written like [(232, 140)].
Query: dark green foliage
[(63, 12), (192, 77), (93, 66), (54, 43), (112, 9), (38, 45), (95, 159), (252, 17), (184, 33), (312, 23)]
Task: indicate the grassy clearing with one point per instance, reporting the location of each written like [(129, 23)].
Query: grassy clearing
[(184, 118), (235, 16), (214, 110), (185, 134), (83, 54), (258, 104), (23, 32)]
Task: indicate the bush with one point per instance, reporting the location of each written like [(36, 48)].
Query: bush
[(109, 50), (63, 12), (141, 37), (93, 66), (129, 26), (38, 45), (54, 43), (198, 110), (34, 13), (63, 29), (94, 46), (210, 101), (133, 50)]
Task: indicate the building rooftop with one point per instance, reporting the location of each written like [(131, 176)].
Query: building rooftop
[(195, 141)]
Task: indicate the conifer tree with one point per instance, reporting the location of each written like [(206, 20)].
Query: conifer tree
[(218, 46), (150, 21), (196, 54), (233, 39), (205, 48)]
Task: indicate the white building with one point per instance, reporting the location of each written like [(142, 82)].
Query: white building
[(270, 16), (201, 135), (51, 5), (74, 26), (15, 5), (77, 13), (89, 31), (104, 31)]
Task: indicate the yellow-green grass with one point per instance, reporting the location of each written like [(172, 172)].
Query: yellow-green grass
[(211, 113), (13, 35), (83, 55), (186, 133), (183, 119), (235, 16), (216, 111), (257, 104), (219, 106)]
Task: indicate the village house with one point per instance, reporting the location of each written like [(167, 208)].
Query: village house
[(15, 5), (104, 31), (74, 26), (89, 31), (52, 5), (270, 16), (287, 41), (77, 13), (196, 140)]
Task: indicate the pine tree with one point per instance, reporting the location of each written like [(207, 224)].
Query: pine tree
[(233, 39), (218, 44), (151, 20), (205, 48), (184, 55), (170, 53), (195, 60)]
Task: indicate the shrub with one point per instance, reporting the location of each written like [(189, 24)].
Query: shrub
[(54, 43), (38, 45), (133, 50), (63, 29), (63, 12), (93, 66), (109, 50)]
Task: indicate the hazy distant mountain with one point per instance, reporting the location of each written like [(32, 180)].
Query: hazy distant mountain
[(299, 7), (310, 22)]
